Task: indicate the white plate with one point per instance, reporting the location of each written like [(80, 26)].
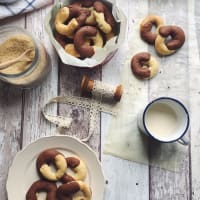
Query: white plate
[(23, 173)]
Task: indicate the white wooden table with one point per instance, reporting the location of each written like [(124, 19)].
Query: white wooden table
[(21, 121)]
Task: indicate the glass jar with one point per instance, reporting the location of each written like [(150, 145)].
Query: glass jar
[(35, 72)]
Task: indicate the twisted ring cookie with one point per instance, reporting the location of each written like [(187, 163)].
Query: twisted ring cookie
[(85, 3), (104, 17), (51, 156), (71, 191), (144, 66), (91, 20), (78, 16), (70, 49), (91, 33), (42, 186), (78, 167), (146, 28), (167, 47)]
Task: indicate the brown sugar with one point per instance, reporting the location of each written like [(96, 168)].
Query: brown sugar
[(12, 48)]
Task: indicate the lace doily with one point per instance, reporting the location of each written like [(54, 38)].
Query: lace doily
[(94, 105)]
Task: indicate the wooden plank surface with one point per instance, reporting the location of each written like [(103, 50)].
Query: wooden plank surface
[(172, 82), (34, 124), (10, 126), (194, 81), (125, 179), (70, 81)]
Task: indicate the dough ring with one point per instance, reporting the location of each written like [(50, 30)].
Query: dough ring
[(88, 5), (146, 28), (167, 47), (51, 156), (78, 167), (91, 33), (70, 191), (78, 16), (91, 20), (104, 18), (70, 49), (144, 66), (85, 3), (42, 186)]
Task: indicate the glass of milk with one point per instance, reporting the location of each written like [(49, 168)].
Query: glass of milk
[(166, 120)]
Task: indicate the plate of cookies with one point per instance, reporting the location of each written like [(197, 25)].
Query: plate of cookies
[(56, 168)]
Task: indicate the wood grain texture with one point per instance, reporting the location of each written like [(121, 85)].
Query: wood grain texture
[(171, 81), (70, 80), (34, 124), (10, 126), (194, 81), (125, 179)]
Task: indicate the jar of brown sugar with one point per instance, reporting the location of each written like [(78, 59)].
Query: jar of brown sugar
[(24, 61)]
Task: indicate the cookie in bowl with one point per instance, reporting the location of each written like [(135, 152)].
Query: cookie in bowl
[(85, 33), (71, 22)]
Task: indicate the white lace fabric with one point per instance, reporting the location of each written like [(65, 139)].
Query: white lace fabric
[(94, 105)]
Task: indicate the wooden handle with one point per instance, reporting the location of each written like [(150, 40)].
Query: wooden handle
[(18, 59)]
